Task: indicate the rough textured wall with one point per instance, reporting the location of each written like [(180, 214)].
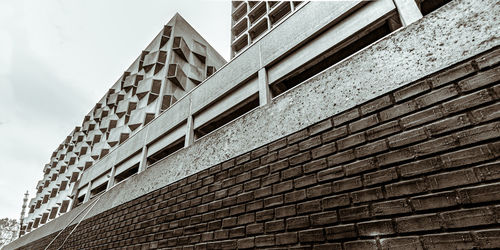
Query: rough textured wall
[(415, 169)]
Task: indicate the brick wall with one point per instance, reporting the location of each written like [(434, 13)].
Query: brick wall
[(414, 169)]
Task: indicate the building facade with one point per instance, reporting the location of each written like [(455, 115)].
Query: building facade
[(336, 125)]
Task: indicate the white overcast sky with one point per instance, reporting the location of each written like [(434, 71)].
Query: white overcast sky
[(59, 57)]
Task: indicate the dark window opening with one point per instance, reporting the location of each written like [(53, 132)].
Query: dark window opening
[(99, 189), (323, 62), (127, 173), (428, 6), (228, 116), (170, 149)]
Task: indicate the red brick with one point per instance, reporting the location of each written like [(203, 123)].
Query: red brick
[(291, 173), (489, 59), (483, 193), (246, 219), (305, 181), (264, 241), (295, 196), (408, 137), (286, 238), (243, 177), (351, 141), (282, 187), (345, 117), (309, 207), (398, 110), (258, 152), (246, 243), (436, 96), (436, 145), (468, 218), (479, 133), (273, 201), (237, 232), (229, 222), (336, 201), (319, 190), (412, 90), (383, 130), (340, 158), (371, 148), (420, 167), (480, 80), (466, 156), (274, 226), (264, 215), (488, 239), (410, 242), (347, 184), (289, 151), (263, 192), (334, 134), (235, 210), (251, 185), (354, 213), (271, 157), (320, 127), (281, 143), (452, 179), (242, 159), (363, 123), (406, 188), (453, 74), (345, 231), (277, 166), (367, 195), (300, 158), (447, 125), (286, 211), (377, 104), (326, 149), (361, 245), (297, 136), (448, 241), (360, 166), (381, 176), (468, 101), (324, 218), (418, 223), (328, 246), (312, 235), (270, 179), (255, 205), (487, 113), (376, 227), (254, 229), (297, 222), (330, 174), (487, 172), (310, 143), (425, 116), (314, 166), (433, 201)]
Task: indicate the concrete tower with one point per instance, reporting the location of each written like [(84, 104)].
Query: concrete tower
[(23, 210)]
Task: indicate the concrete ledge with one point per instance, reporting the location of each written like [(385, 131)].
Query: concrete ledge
[(458, 31)]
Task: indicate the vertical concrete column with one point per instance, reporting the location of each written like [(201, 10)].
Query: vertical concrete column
[(111, 180), (408, 11), (87, 195), (189, 132), (144, 159), (264, 91)]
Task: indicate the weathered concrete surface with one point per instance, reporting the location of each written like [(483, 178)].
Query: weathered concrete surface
[(459, 30)]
